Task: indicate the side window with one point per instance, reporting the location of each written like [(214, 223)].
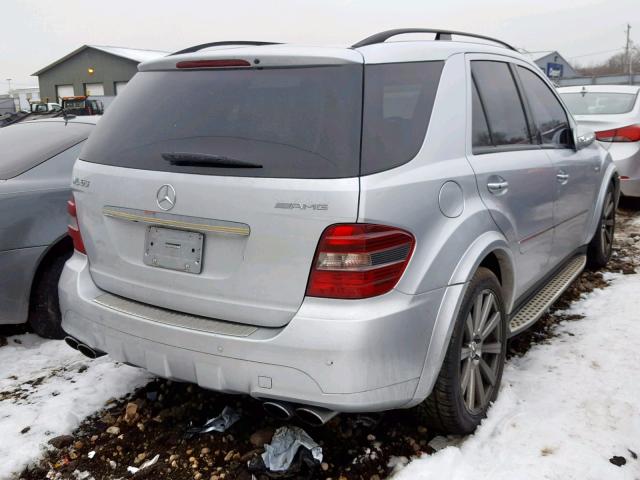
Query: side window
[(502, 104), (550, 118), (398, 100)]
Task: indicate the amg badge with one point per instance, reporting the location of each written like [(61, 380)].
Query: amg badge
[(302, 206)]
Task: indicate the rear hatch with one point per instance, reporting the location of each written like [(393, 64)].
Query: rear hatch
[(208, 188)]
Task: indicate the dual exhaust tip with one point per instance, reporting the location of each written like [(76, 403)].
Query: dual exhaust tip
[(86, 350), (310, 415)]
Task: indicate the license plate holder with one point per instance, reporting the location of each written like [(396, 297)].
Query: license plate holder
[(173, 249)]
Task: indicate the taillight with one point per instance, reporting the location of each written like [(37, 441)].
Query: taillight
[(359, 260), (630, 133), (213, 63), (73, 229)]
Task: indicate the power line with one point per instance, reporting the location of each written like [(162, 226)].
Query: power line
[(597, 53)]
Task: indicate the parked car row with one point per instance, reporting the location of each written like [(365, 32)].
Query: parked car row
[(325, 229)]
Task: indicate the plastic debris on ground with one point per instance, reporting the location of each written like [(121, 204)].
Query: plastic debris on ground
[(146, 464), (284, 454), (440, 442), (220, 424)]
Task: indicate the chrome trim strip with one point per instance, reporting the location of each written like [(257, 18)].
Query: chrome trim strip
[(176, 319), (177, 221)]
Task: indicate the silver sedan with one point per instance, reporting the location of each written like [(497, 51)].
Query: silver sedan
[(613, 112)]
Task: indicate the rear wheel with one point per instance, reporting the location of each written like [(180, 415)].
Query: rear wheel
[(44, 310), (472, 369), (601, 245)]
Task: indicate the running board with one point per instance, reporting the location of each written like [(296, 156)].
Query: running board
[(547, 295)]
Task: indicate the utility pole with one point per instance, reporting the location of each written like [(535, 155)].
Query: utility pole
[(629, 54), (9, 82)]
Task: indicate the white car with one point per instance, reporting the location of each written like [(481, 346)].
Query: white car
[(613, 112)]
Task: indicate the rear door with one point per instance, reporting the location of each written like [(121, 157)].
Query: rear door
[(515, 177), (577, 171), (208, 190)]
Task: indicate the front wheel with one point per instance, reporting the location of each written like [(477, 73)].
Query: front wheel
[(472, 369), (601, 245)]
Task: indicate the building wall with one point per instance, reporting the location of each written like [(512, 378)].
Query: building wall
[(108, 69), (555, 58)]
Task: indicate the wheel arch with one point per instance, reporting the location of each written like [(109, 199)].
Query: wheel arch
[(490, 250), (610, 176), (61, 246)]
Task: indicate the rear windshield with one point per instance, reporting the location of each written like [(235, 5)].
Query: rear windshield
[(25, 145), (290, 122), (283, 123), (599, 103)]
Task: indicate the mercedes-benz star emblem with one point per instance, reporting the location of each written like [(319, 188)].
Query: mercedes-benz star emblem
[(166, 197)]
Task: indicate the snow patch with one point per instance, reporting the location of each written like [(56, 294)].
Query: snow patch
[(566, 407), (47, 389)]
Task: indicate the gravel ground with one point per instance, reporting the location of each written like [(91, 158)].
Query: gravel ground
[(154, 419)]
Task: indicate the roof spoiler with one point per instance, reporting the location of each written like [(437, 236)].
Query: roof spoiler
[(440, 35)]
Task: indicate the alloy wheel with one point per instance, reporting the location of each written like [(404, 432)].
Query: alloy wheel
[(607, 224), (481, 352)]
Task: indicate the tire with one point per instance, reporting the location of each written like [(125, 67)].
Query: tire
[(601, 245), (44, 310), (452, 408)]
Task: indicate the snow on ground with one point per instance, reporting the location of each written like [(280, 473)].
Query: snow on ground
[(46, 389), (566, 407)]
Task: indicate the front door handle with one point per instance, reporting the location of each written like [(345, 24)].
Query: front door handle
[(499, 186), (562, 177)]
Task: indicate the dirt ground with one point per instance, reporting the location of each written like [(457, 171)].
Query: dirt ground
[(154, 420)]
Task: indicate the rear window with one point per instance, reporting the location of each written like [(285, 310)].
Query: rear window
[(599, 103), (293, 122), (398, 100), (25, 145)]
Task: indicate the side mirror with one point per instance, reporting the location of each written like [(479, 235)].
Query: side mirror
[(584, 139)]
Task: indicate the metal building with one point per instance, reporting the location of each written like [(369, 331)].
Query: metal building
[(92, 70), (554, 65)]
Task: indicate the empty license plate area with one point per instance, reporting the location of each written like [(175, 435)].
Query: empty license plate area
[(173, 249)]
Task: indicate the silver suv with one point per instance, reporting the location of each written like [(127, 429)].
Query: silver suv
[(333, 229)]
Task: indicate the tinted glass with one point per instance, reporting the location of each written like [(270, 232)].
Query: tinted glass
[(480, 130), (294, 122), (548, 114), (20, 152), (398, 100), (502, 103), (599, 103)]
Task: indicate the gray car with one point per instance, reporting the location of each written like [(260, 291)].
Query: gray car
[(334, 229), (36, 159)]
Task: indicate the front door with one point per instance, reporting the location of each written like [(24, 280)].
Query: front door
[(576, 171)]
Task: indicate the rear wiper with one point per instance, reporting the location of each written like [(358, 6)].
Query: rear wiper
[(206, 160)]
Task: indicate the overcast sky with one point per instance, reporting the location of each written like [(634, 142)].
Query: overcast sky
[(37, 32)]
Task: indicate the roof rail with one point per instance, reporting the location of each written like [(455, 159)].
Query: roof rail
[(440, 35), (195, 48)]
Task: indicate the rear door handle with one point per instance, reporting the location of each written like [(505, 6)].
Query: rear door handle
[(498, 187), (562, 177)]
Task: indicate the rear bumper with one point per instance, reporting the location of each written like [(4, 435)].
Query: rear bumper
[(363, 355), (626, 156)]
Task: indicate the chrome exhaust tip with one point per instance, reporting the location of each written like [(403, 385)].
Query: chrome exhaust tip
[(87, 351), (279, 410), (72, 342), (314, 416)]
